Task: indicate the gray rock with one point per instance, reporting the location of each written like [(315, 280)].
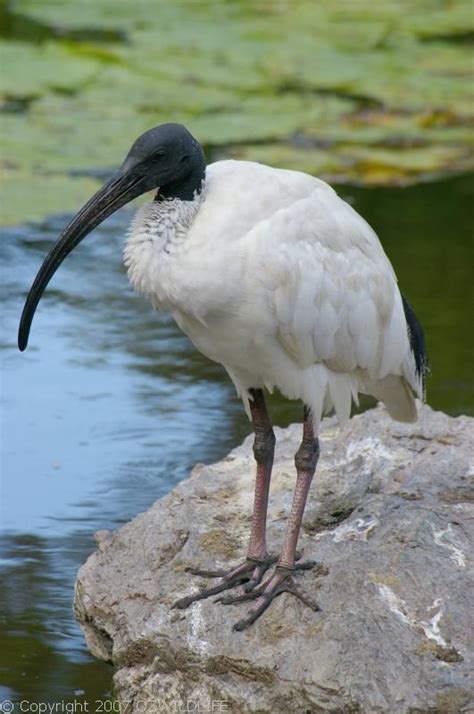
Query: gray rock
[(388, 517)]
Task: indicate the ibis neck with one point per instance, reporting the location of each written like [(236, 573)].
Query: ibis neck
[(185, 190)]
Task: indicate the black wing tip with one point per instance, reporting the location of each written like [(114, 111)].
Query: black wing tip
[(417, 341)]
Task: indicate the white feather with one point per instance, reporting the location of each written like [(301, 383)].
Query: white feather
[(271, 274)]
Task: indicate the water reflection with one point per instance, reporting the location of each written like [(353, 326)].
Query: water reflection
[(111, 405)]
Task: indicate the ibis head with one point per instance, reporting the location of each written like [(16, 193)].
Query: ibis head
[(166, 158)]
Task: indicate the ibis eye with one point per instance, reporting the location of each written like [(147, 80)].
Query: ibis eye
[(159, 154)]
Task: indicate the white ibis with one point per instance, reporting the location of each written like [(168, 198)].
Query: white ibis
[(273, 275)]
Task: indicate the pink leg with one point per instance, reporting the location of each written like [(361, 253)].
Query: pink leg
[(263, 449), (257, 561), (281, 581), (305, 461)]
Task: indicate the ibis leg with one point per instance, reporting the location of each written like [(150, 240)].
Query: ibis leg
[(306, 459), (263, 450), (257, 562), (282, 579)]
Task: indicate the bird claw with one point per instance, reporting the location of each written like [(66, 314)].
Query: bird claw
[(254, 588), (252, 584), (241, 597), (307, 565), (280, 582), (206, 573), (251, 572)]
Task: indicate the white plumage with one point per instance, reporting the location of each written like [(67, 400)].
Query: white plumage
[(273, 275)]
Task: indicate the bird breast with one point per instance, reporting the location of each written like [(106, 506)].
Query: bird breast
[(154, 249)]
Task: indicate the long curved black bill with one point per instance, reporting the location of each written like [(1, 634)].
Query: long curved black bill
[(118, 191)]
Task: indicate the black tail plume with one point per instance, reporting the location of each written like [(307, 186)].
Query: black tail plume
[(417, 343)]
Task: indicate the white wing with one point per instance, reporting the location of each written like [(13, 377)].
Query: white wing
[(309, 274), (336, 301), (329, 287), (334, 292)]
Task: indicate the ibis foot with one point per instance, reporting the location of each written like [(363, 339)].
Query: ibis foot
[(281, 581), (249, 573)]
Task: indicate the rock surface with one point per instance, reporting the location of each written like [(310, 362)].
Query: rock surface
[(389, 518)]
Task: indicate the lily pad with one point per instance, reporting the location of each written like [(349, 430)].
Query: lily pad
[(360, 91), (33, 70), (54, 195)]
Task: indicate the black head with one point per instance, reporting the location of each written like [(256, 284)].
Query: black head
[(166, 158), (171, 159)]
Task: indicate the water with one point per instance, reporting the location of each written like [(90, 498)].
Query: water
[(110, 406)]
